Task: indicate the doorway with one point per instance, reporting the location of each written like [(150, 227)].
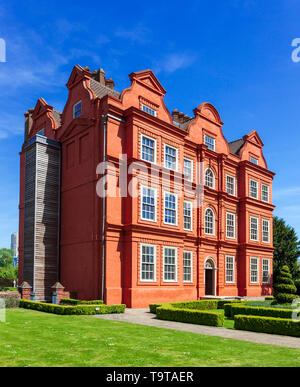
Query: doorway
[(210, 280)]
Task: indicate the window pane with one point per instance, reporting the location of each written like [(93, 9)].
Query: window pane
[(148, 110), (209, 222), (253, 189), (254, 270), (148, 204), (187, 169), (254, 229), (265, 193), (266, 271), (170, 209), (187, 215), (170, 264), (230, 185), (229, 269), (77, 110), (147, 263), (187, 266), (170, 158), (230, 225), (209, 178), (210, 142), (148, 149), (266, 231)]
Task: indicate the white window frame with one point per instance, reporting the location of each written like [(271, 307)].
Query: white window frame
[(191, 178), (149, 110), (192, 213), (154, 262), (254, 240), (176, 264), (155, 204), (233, 269), (253, 160), (214, 142), (214, 178), (269, 230), (165, 160), (234, 185), (155, 148), (234, 225), (74, 106), (164, 208), (257, 265), (253, 181), (191, 267), (214, 222), (268, 200), (269, 277)]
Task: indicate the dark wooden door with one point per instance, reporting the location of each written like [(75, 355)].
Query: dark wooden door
[(209, 282)]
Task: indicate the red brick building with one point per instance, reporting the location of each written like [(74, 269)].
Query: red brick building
[(159, 245)]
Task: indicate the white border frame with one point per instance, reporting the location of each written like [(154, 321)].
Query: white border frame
[(234, 185), (257, 190), (262, 271), (192, 267), (164, 208), (155, 261), (75, 104), (192, 215), (206, 135), (176, 264), (214, 185), (254, 240), (230, 282), (235, 235), (262, 230), (155, 148), (258, 272), (192, 169), (176, 149), (214, 222), (141, 199), (143, 104), (265, 201)]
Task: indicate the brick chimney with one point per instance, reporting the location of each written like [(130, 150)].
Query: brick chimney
[(175, 113), (28, 122), (102, 77), (181, 115), (110, 83)]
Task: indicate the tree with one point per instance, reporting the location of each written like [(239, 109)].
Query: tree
[(6, 258), (287, 248), (284, 287)]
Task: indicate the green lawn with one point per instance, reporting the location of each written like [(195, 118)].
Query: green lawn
[(31, 338)]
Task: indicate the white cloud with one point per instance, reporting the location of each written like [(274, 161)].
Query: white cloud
[(173, 62), (138, 34), (286, 192)]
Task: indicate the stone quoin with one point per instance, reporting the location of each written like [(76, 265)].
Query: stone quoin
[(157, 246)]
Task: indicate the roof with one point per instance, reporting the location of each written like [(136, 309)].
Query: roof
[(183, 125), (57, 116), (236, 146), (101, 90)]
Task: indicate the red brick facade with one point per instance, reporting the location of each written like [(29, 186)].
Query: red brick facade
[(152, 260)]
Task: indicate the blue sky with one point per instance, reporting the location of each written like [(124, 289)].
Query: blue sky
[(235, 54)]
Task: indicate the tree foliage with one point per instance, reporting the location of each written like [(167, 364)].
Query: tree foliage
[(284, 287), (7, 269), (287, 248)]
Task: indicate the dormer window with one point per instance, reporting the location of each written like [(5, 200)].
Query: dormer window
[(148, 110), (210, 142), (77, 109), (254, 160)]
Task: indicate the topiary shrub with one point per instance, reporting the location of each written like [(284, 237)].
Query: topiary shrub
[(297, 284), (284, 288)]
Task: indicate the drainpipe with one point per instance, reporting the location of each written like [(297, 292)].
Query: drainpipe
[(104, 120)]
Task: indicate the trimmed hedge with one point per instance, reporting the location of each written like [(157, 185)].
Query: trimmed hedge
[(170, 313), (72, 310), (69, 301), (270, 298), (195, 305), (257, 311), (278, 326), (11, 303)]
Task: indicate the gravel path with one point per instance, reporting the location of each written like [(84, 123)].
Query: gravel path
[(143, 317)]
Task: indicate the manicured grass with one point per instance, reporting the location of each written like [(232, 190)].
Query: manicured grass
[(228, 323), (30, 338), (268, 304)]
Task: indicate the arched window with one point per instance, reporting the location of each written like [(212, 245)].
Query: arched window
[(209, 178), (209, 222)]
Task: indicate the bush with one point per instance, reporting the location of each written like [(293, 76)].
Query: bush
[(68, 301), (256, 311), (284, 288), (11, 303), (271, 325), (269, 298), (297, 284), (170, 313), (72, 310), (196, 305)]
